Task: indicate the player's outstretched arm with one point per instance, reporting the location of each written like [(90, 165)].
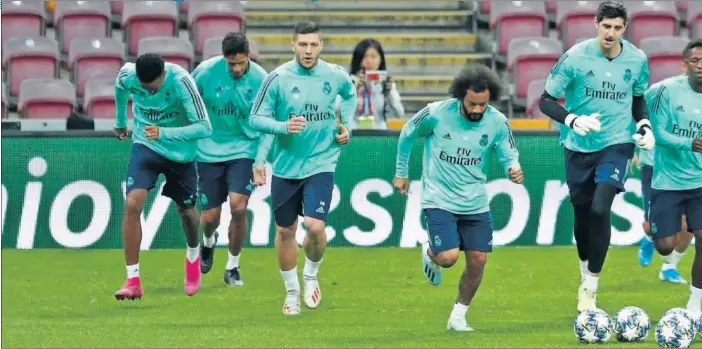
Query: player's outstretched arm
[(660, 114), (421, 124), (506, 148), (262, 116), (196, 111)]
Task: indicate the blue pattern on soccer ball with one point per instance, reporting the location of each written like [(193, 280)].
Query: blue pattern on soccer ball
[(674, 331), (593, 327), (696, 324), (631, 325)]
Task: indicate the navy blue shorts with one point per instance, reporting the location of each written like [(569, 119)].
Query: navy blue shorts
[(218, 179), (646, 178), (584, 170), (448, 230), (145, 165), (667, 206), (307, 197)]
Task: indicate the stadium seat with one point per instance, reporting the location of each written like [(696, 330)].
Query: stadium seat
[(485, 6), (551, 6), (5, 102), (213, 18), (682, 5), (116, 6), (664, 56), (534, 92), (530, 59), (46, 99), (212, 47), (254, 53), (184, 6), (574, 20), (81, 19), (173, 49), (23, 18), (694, 19), (143, 19), (99, 101), (94, 58), (29, 58), (516, 19), (651, 18)]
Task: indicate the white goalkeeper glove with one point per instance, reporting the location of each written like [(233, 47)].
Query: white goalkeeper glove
[(644, 135), (582, 125)]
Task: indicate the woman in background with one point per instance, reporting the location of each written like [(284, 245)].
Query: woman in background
[(377, 93)]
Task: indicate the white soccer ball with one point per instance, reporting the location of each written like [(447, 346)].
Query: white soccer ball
[(631, 325), (696, 324), (593, 327), (674, 331)]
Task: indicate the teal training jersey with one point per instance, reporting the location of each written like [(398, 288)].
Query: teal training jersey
[(228, 102), (455, 155), (676, 116), (176, 108), (592, 84), (292, 90), (646, 157)]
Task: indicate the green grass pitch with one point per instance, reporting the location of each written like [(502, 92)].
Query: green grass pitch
[(371, 298)]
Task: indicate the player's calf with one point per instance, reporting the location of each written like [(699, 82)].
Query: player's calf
[(209, 222), (315, 243)]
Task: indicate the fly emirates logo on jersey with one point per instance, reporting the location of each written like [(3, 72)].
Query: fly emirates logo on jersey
[(461, 157), (692, 130), (311, 112)]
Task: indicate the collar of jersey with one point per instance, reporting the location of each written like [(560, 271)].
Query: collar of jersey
[(304, 71)]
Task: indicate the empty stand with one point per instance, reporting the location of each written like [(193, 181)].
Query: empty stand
[(99, 101), (23, 18), (81, 19), (664, 56), (46, 99), (145, 19), (531, 59), (94, 58), (213, 18), (694, 19), (575, 21), (29, 58), (212, 47), (651, 18), (516, 19), (173, 49)]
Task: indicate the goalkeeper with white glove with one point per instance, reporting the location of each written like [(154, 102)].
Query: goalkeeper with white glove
[(603, 81)]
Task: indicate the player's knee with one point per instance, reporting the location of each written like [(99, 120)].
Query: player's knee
[(476, 259), (186, 211), (684, 226), (286, 233), (314, 227), (447, 258), (665, 246), (210, 217), (237, 205), (647, 228), (238, 214), (133, 205), (599, 212)]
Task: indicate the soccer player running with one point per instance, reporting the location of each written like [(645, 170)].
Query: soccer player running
[(603, 80), (296, 108), (669, 271), (676, 114), (169, 118), (460, 134), (228, 84)]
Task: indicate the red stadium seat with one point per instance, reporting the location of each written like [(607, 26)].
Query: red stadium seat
[(46, 99), (485, 6), (29, 58), (184, 6), (516, 19), (81, 19), (213, 18), (254, 52), (173, 49), (530, 59), (23, 18), (651, 18), (99, 101), (534, 92), (116, 7), (551, 6), (664, 56), (212, 47), (575, 20), (94, 58), (682, 5), (5, 102), (143, 19), (694, 19)]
